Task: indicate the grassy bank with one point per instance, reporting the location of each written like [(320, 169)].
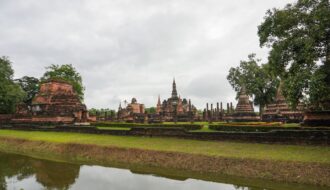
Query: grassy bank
[(210, 148), (303, 164)]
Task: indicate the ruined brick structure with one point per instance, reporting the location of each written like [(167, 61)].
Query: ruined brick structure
[(56, 102), (133, 112), (217, 113), (244, 110), (279, 110), (175, 108)]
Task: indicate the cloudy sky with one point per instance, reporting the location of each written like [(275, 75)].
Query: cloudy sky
[(134, 48)]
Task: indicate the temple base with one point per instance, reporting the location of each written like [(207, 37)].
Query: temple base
[(317, 118)]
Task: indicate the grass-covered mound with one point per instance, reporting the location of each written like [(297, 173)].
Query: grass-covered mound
[(186, 126)]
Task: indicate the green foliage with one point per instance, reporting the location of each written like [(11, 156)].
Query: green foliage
[(151, 110), (31, 87), (299, 38), (257, 78), (102, 113), (68, 73), (10, 93)]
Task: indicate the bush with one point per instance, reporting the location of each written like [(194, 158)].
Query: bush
[(132, 125), (253, 124), (248, 127)]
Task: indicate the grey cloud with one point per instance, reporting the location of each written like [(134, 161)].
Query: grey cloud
[(133, 48)]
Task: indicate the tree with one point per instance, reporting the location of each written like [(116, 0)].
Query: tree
[(68, 73), (31, 87), (257, 79), (10, 93), (299, 38), (105, 113), (151, 110)]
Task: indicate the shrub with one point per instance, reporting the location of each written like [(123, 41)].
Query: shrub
[(132, 125)]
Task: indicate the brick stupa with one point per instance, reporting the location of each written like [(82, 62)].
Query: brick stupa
[(244, 109), (280, 110), (56, 102)]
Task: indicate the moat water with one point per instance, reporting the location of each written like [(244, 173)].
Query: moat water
[(21, 172)]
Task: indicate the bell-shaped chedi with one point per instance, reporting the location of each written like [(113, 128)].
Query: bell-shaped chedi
[(56, 102), (244, 109), (279, 110)]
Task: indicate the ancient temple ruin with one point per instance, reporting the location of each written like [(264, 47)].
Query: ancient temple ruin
[(133, 112), (213, 113), (244, 110), (279, 110), (56, 102), (175, 108)]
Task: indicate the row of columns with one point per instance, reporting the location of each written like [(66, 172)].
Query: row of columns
[(217, 113)]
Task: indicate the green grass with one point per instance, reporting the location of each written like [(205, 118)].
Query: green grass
[(291, 125), (204, 129), (114, 128), (211, 148)]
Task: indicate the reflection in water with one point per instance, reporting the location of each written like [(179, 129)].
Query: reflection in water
[(21, 172), (18, 169)]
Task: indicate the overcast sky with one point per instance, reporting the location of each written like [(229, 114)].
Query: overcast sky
[(134, 48)]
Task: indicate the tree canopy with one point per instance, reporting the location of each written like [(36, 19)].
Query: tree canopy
[(68, 73), (299, 38), (10, 93), (31, 87), (257, 79), (151, 110)]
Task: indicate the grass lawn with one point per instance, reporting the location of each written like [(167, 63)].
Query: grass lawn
[(291, 125), (211, 148), (113, 128)]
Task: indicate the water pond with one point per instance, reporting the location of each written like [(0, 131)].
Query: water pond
[(21, 172)]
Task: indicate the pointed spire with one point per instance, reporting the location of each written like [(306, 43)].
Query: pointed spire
[(159, 106), (174, 92), (158, 102), (243, 90), (279, 95)]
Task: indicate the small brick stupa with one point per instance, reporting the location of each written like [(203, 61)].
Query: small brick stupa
[(244, 109), (56, 102), (280, 110)]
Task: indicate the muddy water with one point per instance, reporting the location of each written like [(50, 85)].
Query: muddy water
[(22, 172)]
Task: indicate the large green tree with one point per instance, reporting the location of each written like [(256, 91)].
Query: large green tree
[(31, 87), (10, 93), (68, 73), (299, 38), (257, 79)]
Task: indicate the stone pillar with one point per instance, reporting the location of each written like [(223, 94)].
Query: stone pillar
[(218, 112), (228, 108), (212, 113), (231, 107), (221, 109), (189, 105), (207, 111)]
